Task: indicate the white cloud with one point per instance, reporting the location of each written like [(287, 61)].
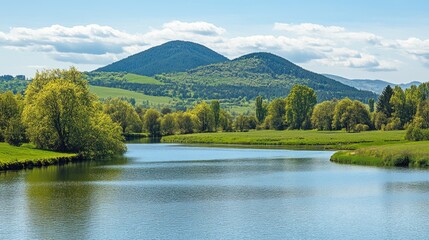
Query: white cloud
[(417, 48), (98, 44), (300, 43)]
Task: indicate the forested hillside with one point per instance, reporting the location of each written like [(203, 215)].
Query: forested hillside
[(174, 56)]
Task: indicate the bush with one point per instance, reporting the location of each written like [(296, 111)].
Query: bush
[(360, 128), (416, 134), (394, 124)]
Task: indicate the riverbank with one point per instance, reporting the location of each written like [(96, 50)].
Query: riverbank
[(410, 154), (26, 156), (309, 140), (375, 148)]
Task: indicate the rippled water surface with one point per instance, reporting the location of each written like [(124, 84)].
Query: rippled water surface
[(165, 191)]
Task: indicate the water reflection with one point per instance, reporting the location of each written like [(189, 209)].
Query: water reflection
[(164, 191), (60, 199)]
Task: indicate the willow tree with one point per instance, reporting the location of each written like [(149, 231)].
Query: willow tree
[(62, 115)]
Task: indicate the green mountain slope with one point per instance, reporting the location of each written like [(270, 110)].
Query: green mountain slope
[(255, 74), (174, 56)]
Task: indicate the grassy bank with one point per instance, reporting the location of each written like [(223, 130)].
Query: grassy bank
[(336, 140), (410, 154), (375, 148), (26, 156)]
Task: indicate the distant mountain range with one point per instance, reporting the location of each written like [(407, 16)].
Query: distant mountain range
[(375, 86), (174, 56), (192, 71)]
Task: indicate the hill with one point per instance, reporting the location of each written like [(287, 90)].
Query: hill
[(174, 56), (255, 74), (375, 86)]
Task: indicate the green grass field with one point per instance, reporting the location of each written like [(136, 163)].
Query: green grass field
[(12, 157), (376, 148), (410, 154), (295, 138), (105, 92), (130, 77)]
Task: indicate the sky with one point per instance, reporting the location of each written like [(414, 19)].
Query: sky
[(364, 39)]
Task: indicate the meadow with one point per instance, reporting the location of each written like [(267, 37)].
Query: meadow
[(309, 139), (26, 156), (375, 148), (106, 92)]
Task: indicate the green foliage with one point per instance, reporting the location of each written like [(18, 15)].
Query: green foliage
[(241, 123), (204, 117), (348, 114), (399, 106), (152, 122), (261, 109), (371, 104), (253, 75), (185, 122), (168, 124), (323, 115), (15, 132), (276, 114), (62, 115), (124, 114), (383, 103), (215, 107), (380, 120), (10, 109), (340, 110), (299, 107)]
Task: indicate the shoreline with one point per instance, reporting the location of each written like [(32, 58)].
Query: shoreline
[(38, 163)]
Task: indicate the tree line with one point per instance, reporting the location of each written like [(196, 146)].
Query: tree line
[(57, 112)]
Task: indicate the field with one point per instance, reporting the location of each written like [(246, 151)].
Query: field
[(19, 157), (376, 148), (410, 154), (295, 138), (130, 77), (105, 92)]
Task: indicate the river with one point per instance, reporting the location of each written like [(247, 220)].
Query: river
[(168, 191)]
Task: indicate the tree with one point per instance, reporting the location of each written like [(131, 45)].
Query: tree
[(371, 104), (151, 122), (10, 108), (215, 107), (225, 121), (323, 115), (204, 117), (354, 117), (124, 114), (276, 113), (185, 122), (62, 115), (383, 103), (412, 101), (261, 109), (15, 132), (168, 124), (241, 123), (398, 104), (299, 107)]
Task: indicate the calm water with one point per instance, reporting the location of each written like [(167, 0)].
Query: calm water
[(164, 191)]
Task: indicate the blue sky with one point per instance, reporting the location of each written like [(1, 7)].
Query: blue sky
[(356, 39)]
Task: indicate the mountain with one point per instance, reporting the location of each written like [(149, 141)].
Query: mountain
[(256, 74), (174, 56), (375, 86)]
